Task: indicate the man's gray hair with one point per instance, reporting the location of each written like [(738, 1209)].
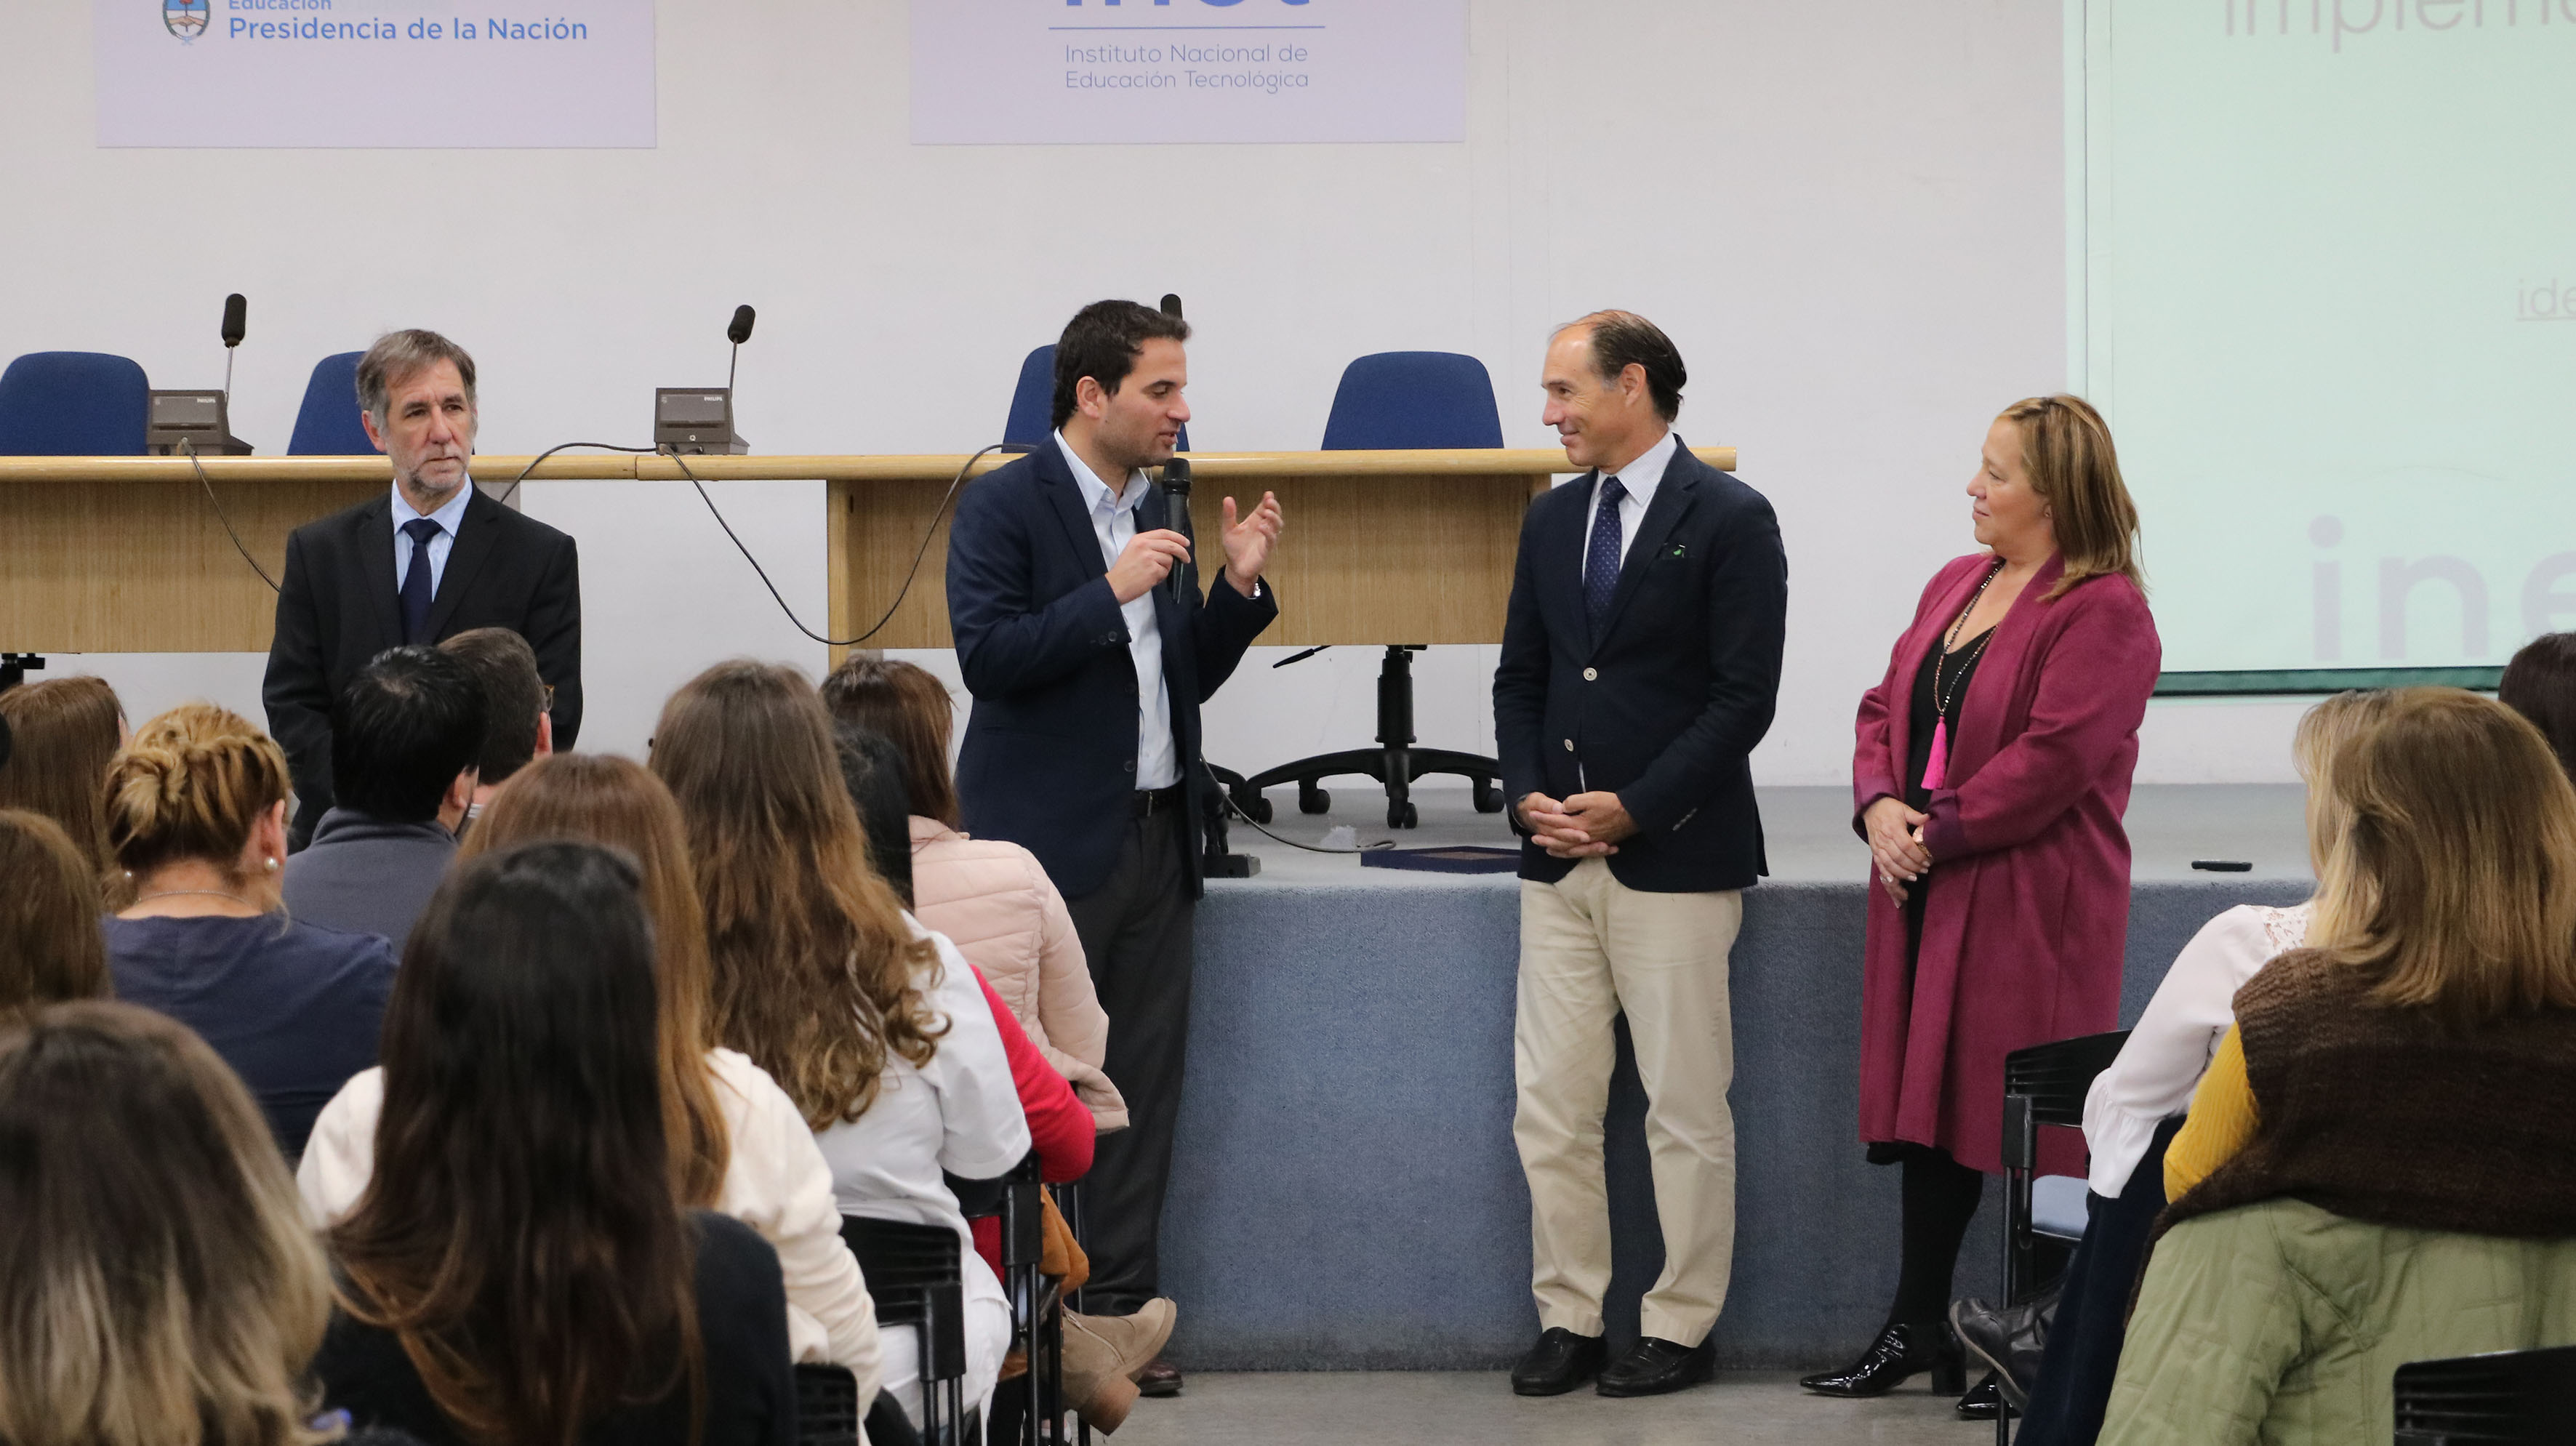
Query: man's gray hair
[(397, 357)]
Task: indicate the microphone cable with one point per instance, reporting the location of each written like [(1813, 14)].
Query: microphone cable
[(1237, 810), (188, 449), (937, 515)]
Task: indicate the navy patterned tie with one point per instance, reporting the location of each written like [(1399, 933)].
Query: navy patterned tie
[(416, 584), (1601, 560)]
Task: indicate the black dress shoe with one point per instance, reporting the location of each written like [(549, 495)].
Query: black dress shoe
[(1654, 1366), (1160, 1379), (1899, 1352), (1559, 1362), (1983, 1400), (2009, 1339)]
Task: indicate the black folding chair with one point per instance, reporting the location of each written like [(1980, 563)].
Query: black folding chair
[(2043, 1085), (2508, 1398), (827, 1411), (912, 1271), (1032, 1407)]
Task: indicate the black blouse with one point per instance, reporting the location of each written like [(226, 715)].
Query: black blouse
[(1924, 713)]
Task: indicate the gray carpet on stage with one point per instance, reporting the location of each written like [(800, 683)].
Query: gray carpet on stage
[(1345, 1193)]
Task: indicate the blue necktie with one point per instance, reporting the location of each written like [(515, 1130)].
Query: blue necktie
[(1601, 560), (417, 586)]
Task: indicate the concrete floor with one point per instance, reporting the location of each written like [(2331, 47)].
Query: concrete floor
[(1434, 1408)]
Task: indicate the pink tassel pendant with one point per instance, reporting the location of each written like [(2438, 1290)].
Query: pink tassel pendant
[(1935, 772)]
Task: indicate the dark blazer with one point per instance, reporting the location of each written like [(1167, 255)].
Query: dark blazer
[(1664, 706), (337, 608), (1049, 761)]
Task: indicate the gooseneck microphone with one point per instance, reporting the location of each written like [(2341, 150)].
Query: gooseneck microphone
[(236, 322), (738, 333), (1176, 491), (1171, 303)]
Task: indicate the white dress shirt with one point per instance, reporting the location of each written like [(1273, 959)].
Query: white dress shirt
[(775, 1181), (2166, 1054), (1640, 477), (1113, 521), (448, 518)]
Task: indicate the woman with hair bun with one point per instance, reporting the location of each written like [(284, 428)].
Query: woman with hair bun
[(196, 818)]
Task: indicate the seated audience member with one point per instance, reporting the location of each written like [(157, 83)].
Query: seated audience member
[(988, 896), (2540, 684), (517, 728), (872, 1024), (157, 1283), (196, 816), (2132, 1112), (64, 731), (517, 1269), (1101, 1352), (2375, 1169), (404, 735), (737, 1143), (50, 946)]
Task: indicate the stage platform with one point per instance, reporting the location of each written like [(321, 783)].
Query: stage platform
[(1345, 1194)]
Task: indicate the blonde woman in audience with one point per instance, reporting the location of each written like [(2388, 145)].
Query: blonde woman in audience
[(63, 731), (737, 1143), (157, 1283), (874, 1025), (990, 897), (50, 946), (196, 817), (2135, 1107), (2375, 1168), (517, 1271)]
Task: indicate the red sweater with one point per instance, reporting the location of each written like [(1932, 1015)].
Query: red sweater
[(1059, 1126)]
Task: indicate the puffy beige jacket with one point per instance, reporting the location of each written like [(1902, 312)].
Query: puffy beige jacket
[(998, 906)]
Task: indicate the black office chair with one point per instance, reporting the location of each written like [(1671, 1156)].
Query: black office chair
[(912, 1271), (2508, 1398), (2043, 1085)]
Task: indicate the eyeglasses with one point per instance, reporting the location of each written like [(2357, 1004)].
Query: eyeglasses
[(549, 696)]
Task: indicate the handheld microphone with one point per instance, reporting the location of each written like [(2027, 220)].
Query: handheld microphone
[(1176, 489)]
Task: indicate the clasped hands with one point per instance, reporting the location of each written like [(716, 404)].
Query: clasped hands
[(1584, 826), (1896, 848), (1150, 556)]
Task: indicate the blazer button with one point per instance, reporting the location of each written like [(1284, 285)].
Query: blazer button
[(1590, 674), (1131, 765), (1569, 745)]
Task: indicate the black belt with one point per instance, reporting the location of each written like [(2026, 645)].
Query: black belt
[(1151, 801)]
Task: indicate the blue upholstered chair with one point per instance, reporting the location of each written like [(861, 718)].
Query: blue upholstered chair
[(1033, 402), (73, 404), (327, 424), (1397, 400)]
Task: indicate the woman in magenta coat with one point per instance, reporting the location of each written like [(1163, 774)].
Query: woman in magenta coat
[(1991, 771)]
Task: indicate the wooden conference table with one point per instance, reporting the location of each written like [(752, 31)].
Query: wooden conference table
[(125, 554)]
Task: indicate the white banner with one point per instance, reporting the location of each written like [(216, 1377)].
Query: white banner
[(376, 73), (1073, 72)]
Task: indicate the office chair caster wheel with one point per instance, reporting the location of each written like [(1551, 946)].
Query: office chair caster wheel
[(1311, 799), (1400, 813), (1253, 806), (1489, 797)]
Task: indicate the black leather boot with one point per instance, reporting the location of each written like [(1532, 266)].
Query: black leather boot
[(1899, 1352)]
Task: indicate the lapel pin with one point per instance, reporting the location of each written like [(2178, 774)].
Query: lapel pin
[(1679, 550)]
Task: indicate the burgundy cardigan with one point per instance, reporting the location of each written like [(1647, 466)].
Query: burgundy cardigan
[(2029, 902)]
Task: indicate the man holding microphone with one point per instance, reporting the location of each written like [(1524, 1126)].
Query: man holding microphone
[(1088, 658)]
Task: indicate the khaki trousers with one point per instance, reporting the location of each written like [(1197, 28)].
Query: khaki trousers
[(1591, 947)]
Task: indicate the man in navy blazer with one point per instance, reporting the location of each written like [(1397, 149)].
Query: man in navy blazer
[(1640, 665), (1083, 635)]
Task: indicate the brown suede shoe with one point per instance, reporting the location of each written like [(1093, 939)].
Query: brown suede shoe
[(1160, 1379)]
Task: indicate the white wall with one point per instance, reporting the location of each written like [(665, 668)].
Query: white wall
[(1850, 217)]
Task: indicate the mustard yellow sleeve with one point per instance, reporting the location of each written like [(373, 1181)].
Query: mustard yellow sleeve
[(2221, 1123)]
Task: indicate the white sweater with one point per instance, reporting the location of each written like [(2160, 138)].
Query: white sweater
[(775, 1182), (2170, 1048)]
